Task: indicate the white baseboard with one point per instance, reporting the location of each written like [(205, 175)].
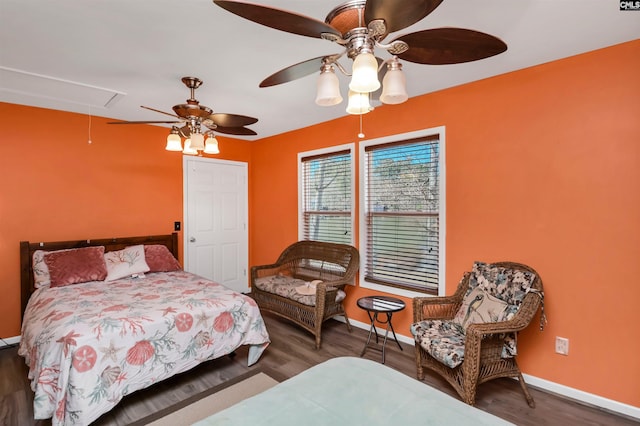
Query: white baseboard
[(565, 391), (583, 397), (9, 341)]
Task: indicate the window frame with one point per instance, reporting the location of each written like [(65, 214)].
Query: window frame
[(301, 194), (362, 217)]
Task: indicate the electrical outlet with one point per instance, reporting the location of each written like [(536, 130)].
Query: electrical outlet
[(562, 345)]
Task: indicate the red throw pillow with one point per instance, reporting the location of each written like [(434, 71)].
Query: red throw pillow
[(76, 266), (160, 259)]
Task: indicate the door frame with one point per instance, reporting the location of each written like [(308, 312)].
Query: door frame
[(185, 201)]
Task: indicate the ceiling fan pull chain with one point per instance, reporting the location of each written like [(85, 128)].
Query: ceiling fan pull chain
[(89, 130), (361, 135)]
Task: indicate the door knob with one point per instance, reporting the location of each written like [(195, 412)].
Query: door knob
[(192, 239)]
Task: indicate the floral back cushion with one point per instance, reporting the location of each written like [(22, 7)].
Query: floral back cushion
[(495, 294), (508, 285)]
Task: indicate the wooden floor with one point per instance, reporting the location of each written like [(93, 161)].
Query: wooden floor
[(292, 351)]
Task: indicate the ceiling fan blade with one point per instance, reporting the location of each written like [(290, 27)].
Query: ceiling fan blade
[(294, 72), (399, 14), (232, 120), (157, 110), (143, 122), (442, 46), (278, 19), (242, 131)]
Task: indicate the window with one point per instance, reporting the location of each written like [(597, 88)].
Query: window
[(402, 212), (326, 195)]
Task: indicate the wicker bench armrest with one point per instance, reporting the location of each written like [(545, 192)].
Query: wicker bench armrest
[(327, 290), (268, 270), (341, 283)]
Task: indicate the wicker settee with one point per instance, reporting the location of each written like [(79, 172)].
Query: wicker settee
[(306, 284), (470, 337)]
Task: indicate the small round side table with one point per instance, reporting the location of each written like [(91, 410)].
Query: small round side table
[(375, 305)]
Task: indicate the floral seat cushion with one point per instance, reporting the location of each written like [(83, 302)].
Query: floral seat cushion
[(286, 286), (494, 295), (443, 340)]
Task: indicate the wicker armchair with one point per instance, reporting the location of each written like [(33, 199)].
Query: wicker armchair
[(469, 345), (276, 287)]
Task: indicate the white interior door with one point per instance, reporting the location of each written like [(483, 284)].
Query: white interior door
[(215, 228)]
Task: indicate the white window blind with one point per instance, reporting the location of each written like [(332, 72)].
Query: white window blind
[(326, 192), (402, 203)]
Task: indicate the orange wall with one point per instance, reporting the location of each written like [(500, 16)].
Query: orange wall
[(543, 167), (55, 186)]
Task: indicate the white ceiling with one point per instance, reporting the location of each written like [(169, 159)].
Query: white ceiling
[(78, 55)]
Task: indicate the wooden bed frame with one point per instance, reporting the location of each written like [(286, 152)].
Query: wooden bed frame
[(110, 244)]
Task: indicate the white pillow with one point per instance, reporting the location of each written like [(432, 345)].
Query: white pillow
[(125, 263)]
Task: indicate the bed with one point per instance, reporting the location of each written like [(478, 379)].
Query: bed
[(97, 332), (351, 391)]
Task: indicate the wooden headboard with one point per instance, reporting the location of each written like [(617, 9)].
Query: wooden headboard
[(110, 244)]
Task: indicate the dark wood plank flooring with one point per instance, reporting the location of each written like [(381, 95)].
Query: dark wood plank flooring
[(292, 351)]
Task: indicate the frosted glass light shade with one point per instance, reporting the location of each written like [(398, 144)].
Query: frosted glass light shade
[(211, 146), (173, 142), (188, 149), (364, 77), (358, 103), (328, 91), (197, 141), (394, 87)]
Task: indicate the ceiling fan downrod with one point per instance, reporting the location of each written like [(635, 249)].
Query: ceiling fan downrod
[(192, 84)]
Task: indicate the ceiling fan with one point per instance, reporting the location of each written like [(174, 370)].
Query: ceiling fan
[(196, 121), (360, 26)]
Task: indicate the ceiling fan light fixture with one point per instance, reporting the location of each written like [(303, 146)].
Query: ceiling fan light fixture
[(364, 78), (188, 149), (197, 141), (328, 90), (211, 145), (197, 120), (358, 103), (174, 143), (360, 27), (394, 84)]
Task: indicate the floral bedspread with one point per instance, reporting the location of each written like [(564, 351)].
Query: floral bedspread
[(88, 345)]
